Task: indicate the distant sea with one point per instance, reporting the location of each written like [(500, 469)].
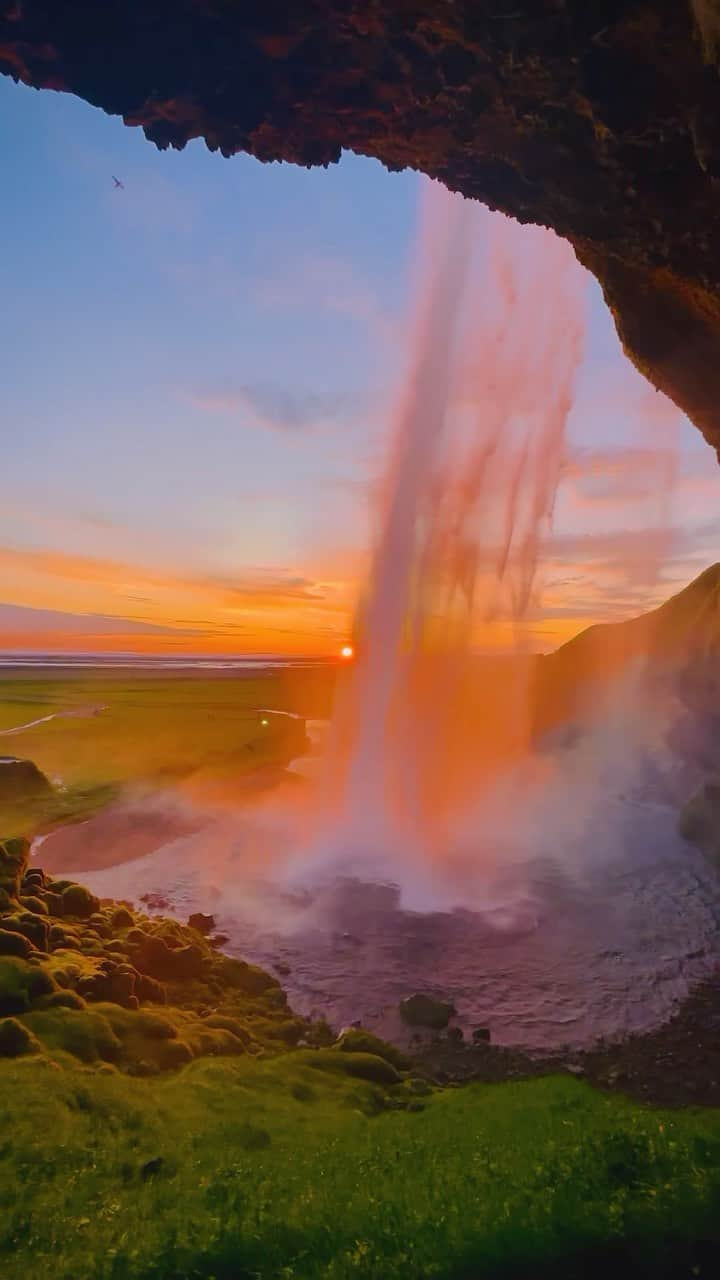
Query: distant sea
[(147, 662)]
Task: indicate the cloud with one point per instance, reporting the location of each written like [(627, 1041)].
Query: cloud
[(261, 583), (278, 408), (15, 618)]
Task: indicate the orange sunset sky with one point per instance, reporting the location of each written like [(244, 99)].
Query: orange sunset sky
[(197, 397)]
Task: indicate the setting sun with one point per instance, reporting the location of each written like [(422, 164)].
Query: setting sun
[(347, 652)]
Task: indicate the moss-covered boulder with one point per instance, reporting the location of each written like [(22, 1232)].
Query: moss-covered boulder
[(16, 1039), (363, 1066), (14, 944), (153, 956), (20, 984), (35, 928), (79, 901), (357, 1040)]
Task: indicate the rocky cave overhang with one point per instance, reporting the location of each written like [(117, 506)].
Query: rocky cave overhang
[(596, 117)]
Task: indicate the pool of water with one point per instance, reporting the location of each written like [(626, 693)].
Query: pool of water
[(562, 951)]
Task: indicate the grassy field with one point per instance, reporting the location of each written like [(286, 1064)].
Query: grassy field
[(145, 728), (152, 725), (278, 1169)]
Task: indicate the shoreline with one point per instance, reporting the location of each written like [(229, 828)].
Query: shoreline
[(676, 1065)]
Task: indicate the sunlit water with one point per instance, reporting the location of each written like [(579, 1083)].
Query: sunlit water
[(592, 928)]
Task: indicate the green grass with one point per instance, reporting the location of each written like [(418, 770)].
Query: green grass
[(233, 1169), (156, 729)]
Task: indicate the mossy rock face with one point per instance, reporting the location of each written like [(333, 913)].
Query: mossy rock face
[(79, 901), (356, 1040), (16, 1040)]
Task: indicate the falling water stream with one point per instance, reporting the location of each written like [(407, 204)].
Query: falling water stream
[(544, 892)]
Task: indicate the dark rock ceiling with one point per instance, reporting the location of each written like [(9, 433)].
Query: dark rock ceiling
[(596, 117)]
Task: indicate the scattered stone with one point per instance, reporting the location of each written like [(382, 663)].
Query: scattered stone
[(421, 1010), (151, 1168), (481, 1035), (455, 1035)]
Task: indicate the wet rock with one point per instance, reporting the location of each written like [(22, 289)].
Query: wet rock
[(481, 1035), (421, 1010), (455, 1035), (201, 923)]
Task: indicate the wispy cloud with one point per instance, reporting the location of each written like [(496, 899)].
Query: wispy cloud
[(276, 407)]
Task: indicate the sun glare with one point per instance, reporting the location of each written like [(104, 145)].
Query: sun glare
[(347, 652)]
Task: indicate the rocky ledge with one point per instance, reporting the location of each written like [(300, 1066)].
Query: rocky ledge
[(596, 117)]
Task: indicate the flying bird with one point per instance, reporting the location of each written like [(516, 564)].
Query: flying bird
[(118, 184)]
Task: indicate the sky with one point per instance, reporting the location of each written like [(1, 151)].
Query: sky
[(197, 374)]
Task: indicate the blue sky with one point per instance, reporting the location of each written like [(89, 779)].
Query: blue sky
[(196, 374)]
